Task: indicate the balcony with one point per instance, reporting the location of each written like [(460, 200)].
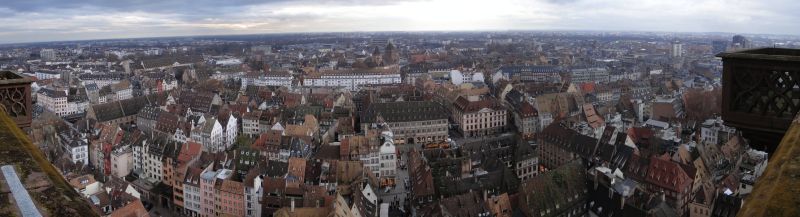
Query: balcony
[(761, 93), (15, 97)]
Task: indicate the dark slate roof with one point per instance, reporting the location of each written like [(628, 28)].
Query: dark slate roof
[(103, 76), (91, 87), (404, 112), (604, 204), (467, 106), (615, 152), (515, 97), (559, 186), (122, 108), (569, 140), (52, 93), (621, 156), (276, 169), (469, 204), (197, 101), (149, 113), (167, 122), (530, 69), (726, 205), (524, 151)]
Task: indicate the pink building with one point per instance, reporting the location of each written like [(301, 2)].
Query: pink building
[(210, 181), (207, 180), (230, 197)]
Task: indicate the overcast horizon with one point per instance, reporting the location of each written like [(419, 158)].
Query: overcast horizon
[(54, 20)]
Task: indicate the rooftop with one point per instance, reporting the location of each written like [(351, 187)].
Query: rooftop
[(403, 112)]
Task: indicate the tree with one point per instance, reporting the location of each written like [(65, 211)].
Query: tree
[(242, 141), (701, 104)]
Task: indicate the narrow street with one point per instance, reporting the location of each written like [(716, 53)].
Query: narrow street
[(397, 195)]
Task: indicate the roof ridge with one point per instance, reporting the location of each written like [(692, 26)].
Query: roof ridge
[(119, 102)]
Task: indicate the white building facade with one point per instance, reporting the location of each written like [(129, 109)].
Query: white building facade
[(352, 81), (269, 79), (53, 100), (388, 158), (209, 132)]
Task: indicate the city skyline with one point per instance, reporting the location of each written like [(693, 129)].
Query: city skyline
[(404, 123), (37, 21)]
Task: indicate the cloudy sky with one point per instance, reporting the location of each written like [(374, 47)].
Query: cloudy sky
[(56, 20)]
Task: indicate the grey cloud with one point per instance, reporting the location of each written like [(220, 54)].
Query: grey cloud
[(29, 20), (134, 5), (168, 5), (184, 10), (562, 1)]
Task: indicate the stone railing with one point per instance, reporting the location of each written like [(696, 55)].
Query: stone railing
[(15, 97), (49, 190), (761, 93), (775, 193)]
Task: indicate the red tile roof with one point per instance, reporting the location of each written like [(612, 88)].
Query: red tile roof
[(527, 110), (467, 106), (639, 135), (189, 151), (595, 121), (133, 209), (587, 87), (668, 174)]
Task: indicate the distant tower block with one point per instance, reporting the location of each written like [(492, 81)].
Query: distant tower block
[(740, 42), (676, 49)]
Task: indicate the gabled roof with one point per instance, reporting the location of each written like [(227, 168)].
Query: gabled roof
[(595, 121), (668, 174), (297, 168), (189, 151), (562, 188), (467, 106), (118, 109), (133, 209), (570, 140), (149, 113), (232, 187), (403, 112), (197, 101), (469, 204), (52, 93), (500, 205), (726, 205), (530, 69), (167, 123), (527, 110)]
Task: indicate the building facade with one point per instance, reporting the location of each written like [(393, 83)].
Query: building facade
[(209, 132), (276, 78), (410, 122), (53, 100), (121, 161), (531, 73), (590, 74), (478, 116), (352, 80)]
